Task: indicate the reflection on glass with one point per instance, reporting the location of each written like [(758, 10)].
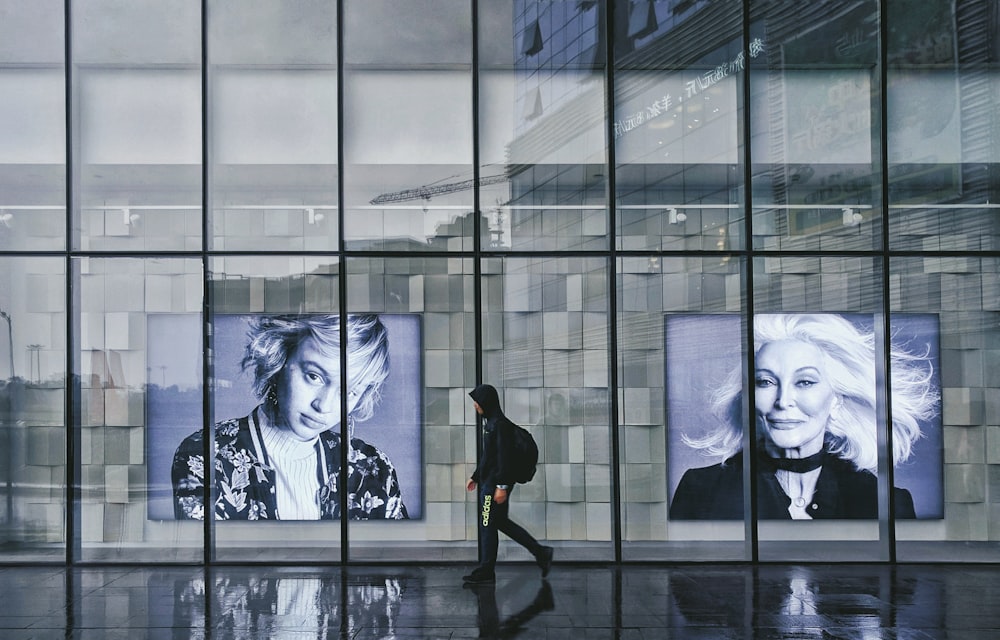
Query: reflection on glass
[(273, 105), (677, 130), (408, 142), (138, 132), (32, 126), (942, 125), (815, 393), (32, 408), (543, 146), (813, 92)]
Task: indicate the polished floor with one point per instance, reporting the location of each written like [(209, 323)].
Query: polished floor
[(627, 602)]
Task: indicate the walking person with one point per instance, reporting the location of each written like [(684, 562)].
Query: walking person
[(493, 479)]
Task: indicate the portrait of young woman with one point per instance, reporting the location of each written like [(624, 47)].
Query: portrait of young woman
[(278, 435)]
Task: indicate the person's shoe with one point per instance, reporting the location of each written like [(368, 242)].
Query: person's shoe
[(544, 559), (480, 577)]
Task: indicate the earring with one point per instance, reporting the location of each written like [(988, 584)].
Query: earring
[(272, 396)]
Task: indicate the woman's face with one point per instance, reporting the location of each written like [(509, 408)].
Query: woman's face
[(308, 391), (794, 397)]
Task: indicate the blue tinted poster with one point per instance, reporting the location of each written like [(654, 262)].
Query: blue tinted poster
[(817, 408), (277, 413)]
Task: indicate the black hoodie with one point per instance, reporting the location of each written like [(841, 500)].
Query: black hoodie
[(492, 469)]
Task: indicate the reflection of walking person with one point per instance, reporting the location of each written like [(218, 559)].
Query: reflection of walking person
[(282, 462), (493, 478), (490, 625)]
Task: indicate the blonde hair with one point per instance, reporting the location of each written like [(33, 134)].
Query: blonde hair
[(272, 339)]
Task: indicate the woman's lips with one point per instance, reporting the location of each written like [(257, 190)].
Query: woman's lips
[(784, 423), (313, 423)]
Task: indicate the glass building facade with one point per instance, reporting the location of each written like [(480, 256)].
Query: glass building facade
[(596, 206)]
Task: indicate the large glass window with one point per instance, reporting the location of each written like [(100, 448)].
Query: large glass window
[(273, 131), (679, 335), (815, 125), (139, 361), (137, 139), (797, 187), (275, 341), (962, 295), (32, 408), (943, 126), (423, 423), (542, 131), (32, 127), (677, 127), (818, 392), (408, 116), (545, 347)]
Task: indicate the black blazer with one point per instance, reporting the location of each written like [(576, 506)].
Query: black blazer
[(842, 492)]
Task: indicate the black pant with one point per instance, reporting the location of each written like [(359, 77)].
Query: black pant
[(492, 519)]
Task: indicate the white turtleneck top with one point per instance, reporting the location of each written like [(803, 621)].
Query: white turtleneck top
[(296, 467)]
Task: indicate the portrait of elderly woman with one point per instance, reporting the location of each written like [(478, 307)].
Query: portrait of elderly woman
[(282, 460), (817, 446)]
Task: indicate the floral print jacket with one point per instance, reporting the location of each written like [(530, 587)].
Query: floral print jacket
[(244, 481)]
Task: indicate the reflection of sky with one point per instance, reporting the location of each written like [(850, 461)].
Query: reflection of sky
[(177, 360)]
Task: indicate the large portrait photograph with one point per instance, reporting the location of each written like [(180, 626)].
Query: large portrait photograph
[(816, 407), (276, 405)]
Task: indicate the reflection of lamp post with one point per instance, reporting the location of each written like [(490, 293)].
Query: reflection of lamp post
[(35, 365), (10, 423), (10, 341)]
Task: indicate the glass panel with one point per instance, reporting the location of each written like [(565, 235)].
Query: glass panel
[(542, 142), (281, 313), (137, 136), (32, 409), (678, 124), (674, 315), (408, 141), (815, 125), (943, 125), (545, 348), (139, 363), (818, 389), (32, 126), (963, 295), (424, 423), (274, 124)]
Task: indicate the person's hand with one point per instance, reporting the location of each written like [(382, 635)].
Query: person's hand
[(500, 495), (471, 486)]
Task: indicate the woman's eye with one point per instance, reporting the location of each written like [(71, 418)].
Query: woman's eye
[(764, 382), (806, 383), (313, 377)]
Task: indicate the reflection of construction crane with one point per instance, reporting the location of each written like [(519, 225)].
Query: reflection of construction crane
[(428, 192)]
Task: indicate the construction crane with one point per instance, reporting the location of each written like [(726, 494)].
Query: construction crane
[(428, 192)]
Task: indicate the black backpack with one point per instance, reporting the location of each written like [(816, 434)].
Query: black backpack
[(525, 450)]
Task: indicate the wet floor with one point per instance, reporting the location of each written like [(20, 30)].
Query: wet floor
[(628, 602)]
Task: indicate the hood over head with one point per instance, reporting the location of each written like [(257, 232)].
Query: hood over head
[(488, 398)]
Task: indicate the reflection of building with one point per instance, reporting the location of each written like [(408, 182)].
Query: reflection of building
[(620, 162)]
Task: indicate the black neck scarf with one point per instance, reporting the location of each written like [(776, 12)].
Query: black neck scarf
[(795, 465)]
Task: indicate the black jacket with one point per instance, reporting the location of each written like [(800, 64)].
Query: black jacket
[(716, 493), (497, 437)]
